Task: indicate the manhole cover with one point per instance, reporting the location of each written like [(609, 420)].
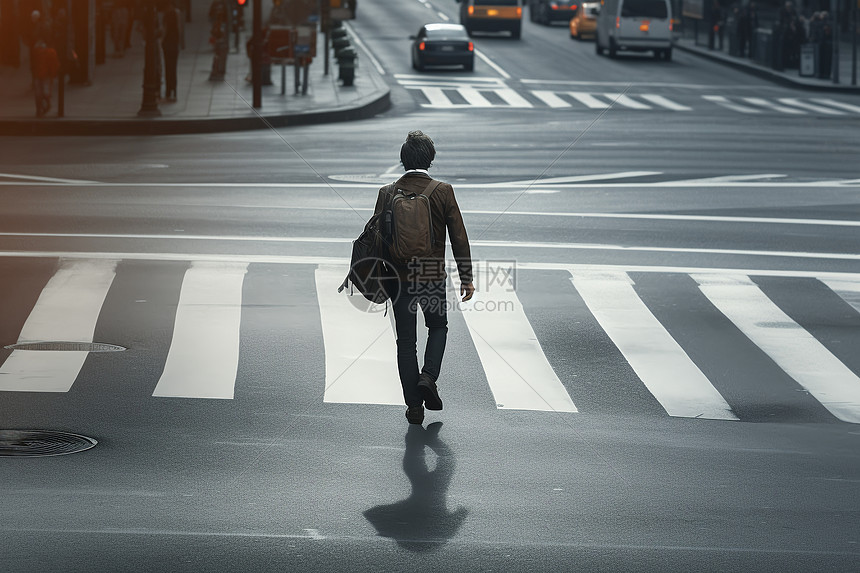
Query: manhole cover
[(67, 346), (42, 443)]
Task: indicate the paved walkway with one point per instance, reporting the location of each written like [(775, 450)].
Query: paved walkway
[(785, 77), (110, 105)]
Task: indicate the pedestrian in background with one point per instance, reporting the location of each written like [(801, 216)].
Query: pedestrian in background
[(171, 42), (46, 65), (422, 281), (119, 24)]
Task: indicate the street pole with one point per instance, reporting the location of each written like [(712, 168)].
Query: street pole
[(257, 55), (151, 81), (854, 42), (834, 11)]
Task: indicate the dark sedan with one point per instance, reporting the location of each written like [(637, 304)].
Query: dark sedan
[(442, 45)]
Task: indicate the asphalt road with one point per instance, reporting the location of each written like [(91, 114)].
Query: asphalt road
[(690, 279)]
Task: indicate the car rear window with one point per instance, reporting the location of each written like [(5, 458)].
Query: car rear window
[(451, 33), (496, 2), (644, 9)]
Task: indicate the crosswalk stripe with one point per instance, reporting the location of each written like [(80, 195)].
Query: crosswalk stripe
[(849, 291), (626, 101), (839, 104), (793, 101), (664, 102), (795, 350), (204, 354), (658, 360), (512, 98), (723, 101), (588, 100), (436, 97), (550, 99), (360, 348), (67, 310), (769, 104), (474, 97), (517, 370)]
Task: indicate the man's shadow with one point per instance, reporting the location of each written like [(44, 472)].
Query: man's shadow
[(422, 521)]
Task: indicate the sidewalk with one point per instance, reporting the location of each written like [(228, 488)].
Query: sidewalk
[(109, 106), (787, 77)]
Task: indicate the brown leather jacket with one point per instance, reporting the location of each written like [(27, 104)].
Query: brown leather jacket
[(445, 214)]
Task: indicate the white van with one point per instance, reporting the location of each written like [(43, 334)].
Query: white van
[(635, 25)]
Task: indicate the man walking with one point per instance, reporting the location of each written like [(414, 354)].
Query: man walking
[(422, 280)]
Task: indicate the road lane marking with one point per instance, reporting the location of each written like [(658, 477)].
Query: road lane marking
[(517, 370), (47, 179), (658, 360), (492, 64), (770, 105), (793, 349), (474, 97), (849, 291), (791, 101), (839, 104), (626, 101), (588, 100), (436, 97), (665, 102), (550, 99), (360, 347), (67, 310), (723, 101), (512, 98), (204, 354)]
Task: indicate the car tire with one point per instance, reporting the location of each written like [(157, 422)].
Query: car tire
[(613, 49), (598, 49), (544, 15), (469, 66), (667, 54), (516, 31)]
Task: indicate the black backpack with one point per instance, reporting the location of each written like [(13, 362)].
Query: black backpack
[(369, 272)]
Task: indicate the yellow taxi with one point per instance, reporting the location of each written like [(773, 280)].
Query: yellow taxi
[(584, 21), (492, 16)]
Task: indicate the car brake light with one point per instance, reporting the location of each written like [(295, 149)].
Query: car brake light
[(519, 12), (471, 47), (670, 25), (471, 10), (421, 46), (643, 27), (617, 22), (573, 6)]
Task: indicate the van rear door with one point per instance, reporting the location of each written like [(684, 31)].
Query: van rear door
[(644, 20)]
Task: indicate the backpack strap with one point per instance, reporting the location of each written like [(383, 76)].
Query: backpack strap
[(433, 183)]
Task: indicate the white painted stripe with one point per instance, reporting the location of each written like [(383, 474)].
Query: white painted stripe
[(342, 261), (474, 97), (517, 370), (204, 354), (358, 42), (493, 64), (588, 100), (571, 179), (848, 290), (626, 101), (550, 99), (793, 349), (658, 360), (665, 102), (443, 16), (839, 104), (67, 310), (360, 347), (436, 97), (47, 179), (512, 98), (808, 106), (632, 84), (770, 105), (463, 79), (723, 101)]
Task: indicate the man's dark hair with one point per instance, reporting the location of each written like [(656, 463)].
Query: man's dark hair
[(418, 151)]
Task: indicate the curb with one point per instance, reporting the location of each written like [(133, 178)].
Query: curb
[(765, 73), (373, 105)]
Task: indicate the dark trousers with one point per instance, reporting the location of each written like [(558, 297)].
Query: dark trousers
[(171, 54), (430, 297)]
